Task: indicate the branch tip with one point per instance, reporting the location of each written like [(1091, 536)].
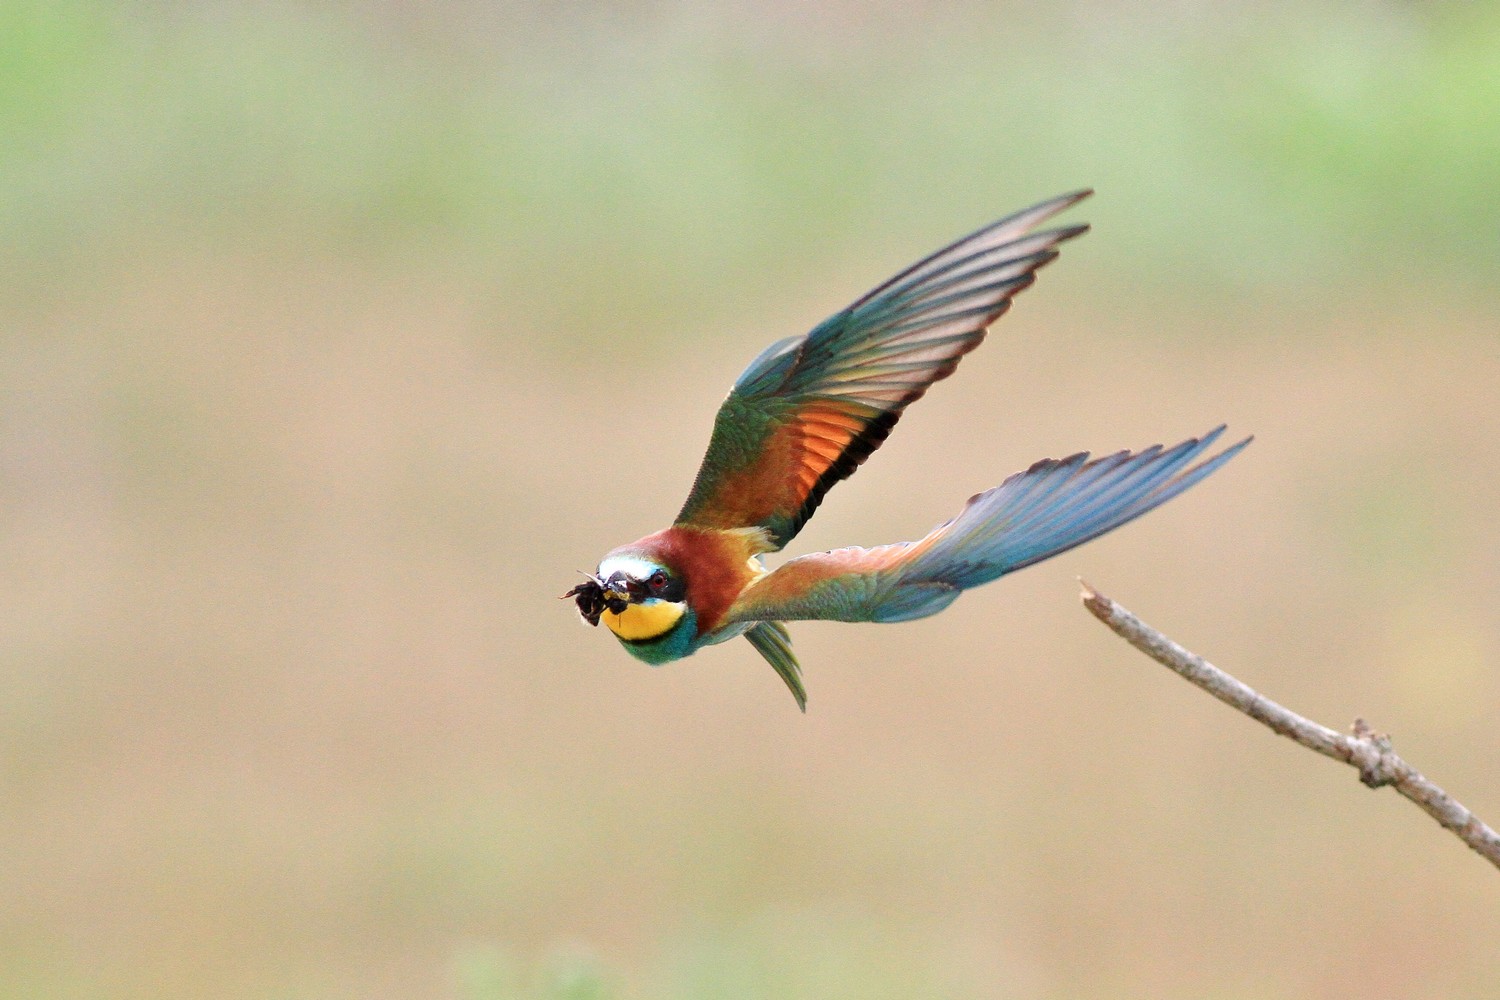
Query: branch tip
[(1099, 605), (1368, 751)]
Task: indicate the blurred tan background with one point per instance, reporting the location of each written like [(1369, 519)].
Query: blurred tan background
[(333, 342)]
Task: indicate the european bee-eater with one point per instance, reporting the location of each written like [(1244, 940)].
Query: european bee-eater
[(805, 414)]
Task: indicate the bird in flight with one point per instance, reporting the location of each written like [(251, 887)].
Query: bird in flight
[(806, 413)]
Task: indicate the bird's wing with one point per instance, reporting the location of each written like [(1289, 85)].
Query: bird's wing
[(1051, 507), (810, 409)]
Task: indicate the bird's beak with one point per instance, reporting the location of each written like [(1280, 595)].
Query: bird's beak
[(619, 593), (623, 589)]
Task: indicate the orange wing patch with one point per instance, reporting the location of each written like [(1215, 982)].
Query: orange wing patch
[(824, 433)]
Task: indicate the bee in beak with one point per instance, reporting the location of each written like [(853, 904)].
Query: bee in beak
[(594, 596)]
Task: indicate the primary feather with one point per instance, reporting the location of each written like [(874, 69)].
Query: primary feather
[(1051, 507)]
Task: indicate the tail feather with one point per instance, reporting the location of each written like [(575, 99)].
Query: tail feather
[(774, 642)]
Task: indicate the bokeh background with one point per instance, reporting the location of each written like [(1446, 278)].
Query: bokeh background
[(335, 338)]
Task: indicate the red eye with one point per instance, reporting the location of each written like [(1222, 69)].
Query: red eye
[(658, 582)]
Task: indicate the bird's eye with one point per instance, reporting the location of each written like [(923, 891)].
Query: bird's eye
[(657, 582)]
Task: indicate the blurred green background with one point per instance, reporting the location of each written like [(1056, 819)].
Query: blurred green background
[(334, 339)]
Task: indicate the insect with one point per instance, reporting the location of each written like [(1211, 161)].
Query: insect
[(806, 413)]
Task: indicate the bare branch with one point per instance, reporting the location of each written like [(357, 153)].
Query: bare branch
[(1362, 748)]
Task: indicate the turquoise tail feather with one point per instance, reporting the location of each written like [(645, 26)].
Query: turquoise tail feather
[(774, 642)]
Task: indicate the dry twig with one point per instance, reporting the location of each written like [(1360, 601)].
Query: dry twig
[(1362, 748)]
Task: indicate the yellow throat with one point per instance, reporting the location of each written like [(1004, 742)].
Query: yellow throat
[(643, 621)]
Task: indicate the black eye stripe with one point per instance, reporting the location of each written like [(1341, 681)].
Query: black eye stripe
[(661, 584)]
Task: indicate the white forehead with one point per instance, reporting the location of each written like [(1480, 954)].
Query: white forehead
[(635, 567)]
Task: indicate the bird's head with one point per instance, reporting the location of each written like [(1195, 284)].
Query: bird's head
[(642, 600)]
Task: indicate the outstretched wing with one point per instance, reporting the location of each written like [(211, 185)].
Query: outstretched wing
[(1051, 507), (810, 409)]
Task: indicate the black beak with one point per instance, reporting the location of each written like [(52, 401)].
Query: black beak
[(622, 588)]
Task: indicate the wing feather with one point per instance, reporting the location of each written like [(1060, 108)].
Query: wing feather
[(808, 410), (1047, 509)]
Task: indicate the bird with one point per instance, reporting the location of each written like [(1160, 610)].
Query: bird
[(806, 412)]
